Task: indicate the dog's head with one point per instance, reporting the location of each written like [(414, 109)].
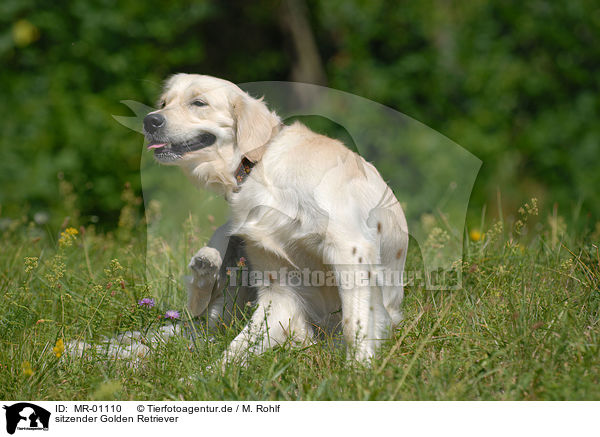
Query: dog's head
[(198, 115)]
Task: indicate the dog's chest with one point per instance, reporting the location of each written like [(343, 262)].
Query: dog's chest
[(274, 218)]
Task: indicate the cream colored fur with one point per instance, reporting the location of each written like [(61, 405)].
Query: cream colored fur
[(309, 203)]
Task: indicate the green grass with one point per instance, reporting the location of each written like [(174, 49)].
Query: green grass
[(523, 327)]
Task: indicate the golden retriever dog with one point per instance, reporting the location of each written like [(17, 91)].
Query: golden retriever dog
[(303, 208)]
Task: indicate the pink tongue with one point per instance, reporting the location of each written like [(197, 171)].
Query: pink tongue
[(156, 146)]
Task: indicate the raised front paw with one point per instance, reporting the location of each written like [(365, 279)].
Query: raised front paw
[(205, 264), (205, 267)]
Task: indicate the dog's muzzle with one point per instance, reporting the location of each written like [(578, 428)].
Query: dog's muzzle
[(153, 122)]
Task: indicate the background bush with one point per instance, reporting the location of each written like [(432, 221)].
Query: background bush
[(512, 82)]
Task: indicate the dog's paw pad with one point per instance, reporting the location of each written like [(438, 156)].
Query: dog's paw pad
[(207, 261)]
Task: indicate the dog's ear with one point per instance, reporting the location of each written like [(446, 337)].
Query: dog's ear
[(255, 126)]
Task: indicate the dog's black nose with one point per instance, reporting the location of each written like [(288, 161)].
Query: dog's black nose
[(153, 122)]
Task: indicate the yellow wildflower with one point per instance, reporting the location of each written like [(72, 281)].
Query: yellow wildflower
[(59, 348), (24, 33), (475, 235), (67, 237), (26, 368)]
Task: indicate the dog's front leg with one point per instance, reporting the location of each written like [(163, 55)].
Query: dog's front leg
[(206, 266), (279, 316)]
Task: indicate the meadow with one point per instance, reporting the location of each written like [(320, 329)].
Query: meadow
[(524, 325)]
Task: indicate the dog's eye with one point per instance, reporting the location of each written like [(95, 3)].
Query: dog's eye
[(198, 103), (162, 104)]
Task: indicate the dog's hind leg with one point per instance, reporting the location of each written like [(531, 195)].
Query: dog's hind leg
[(391, 236), (365, 321)]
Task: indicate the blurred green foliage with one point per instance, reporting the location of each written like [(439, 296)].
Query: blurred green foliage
[(512, 82)]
